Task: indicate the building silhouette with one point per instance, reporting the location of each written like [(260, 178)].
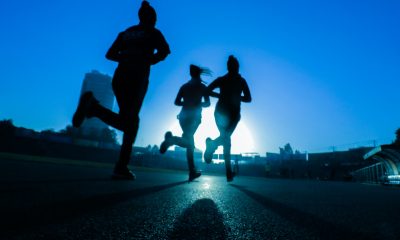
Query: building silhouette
[(100, 85)]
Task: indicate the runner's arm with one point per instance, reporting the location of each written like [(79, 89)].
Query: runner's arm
[(246, 93), (215, 84), (206, 102), (113, 53), (178, 99), (162, 48)]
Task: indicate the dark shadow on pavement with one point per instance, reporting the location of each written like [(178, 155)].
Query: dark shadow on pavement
[(319, 227), (202, 220), (14, 221), (54, 181)]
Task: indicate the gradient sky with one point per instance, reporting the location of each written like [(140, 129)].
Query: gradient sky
[(322, 73)]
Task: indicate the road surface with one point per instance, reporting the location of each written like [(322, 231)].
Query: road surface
[(45, 198)]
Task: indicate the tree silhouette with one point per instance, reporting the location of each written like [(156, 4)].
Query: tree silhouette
[(106, 135), (7, 128)]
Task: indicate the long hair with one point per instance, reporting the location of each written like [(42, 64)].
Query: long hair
[(197, 72)]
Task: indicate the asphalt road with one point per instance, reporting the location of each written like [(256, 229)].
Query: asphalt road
[(64, 199)]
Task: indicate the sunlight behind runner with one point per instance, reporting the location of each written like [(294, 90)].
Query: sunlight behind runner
[(242, 140)]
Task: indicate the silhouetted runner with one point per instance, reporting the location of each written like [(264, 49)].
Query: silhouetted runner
[(135, 50), (227, 112), (190, 97)]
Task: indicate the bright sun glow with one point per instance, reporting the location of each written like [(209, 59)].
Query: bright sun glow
[(242, 141)]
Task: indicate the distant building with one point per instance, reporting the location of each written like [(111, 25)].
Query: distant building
[(286, 164), (284, 156), (100, 85), (337, 165), (179, 153)]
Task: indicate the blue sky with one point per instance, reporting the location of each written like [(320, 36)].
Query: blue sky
[(321, 73)]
